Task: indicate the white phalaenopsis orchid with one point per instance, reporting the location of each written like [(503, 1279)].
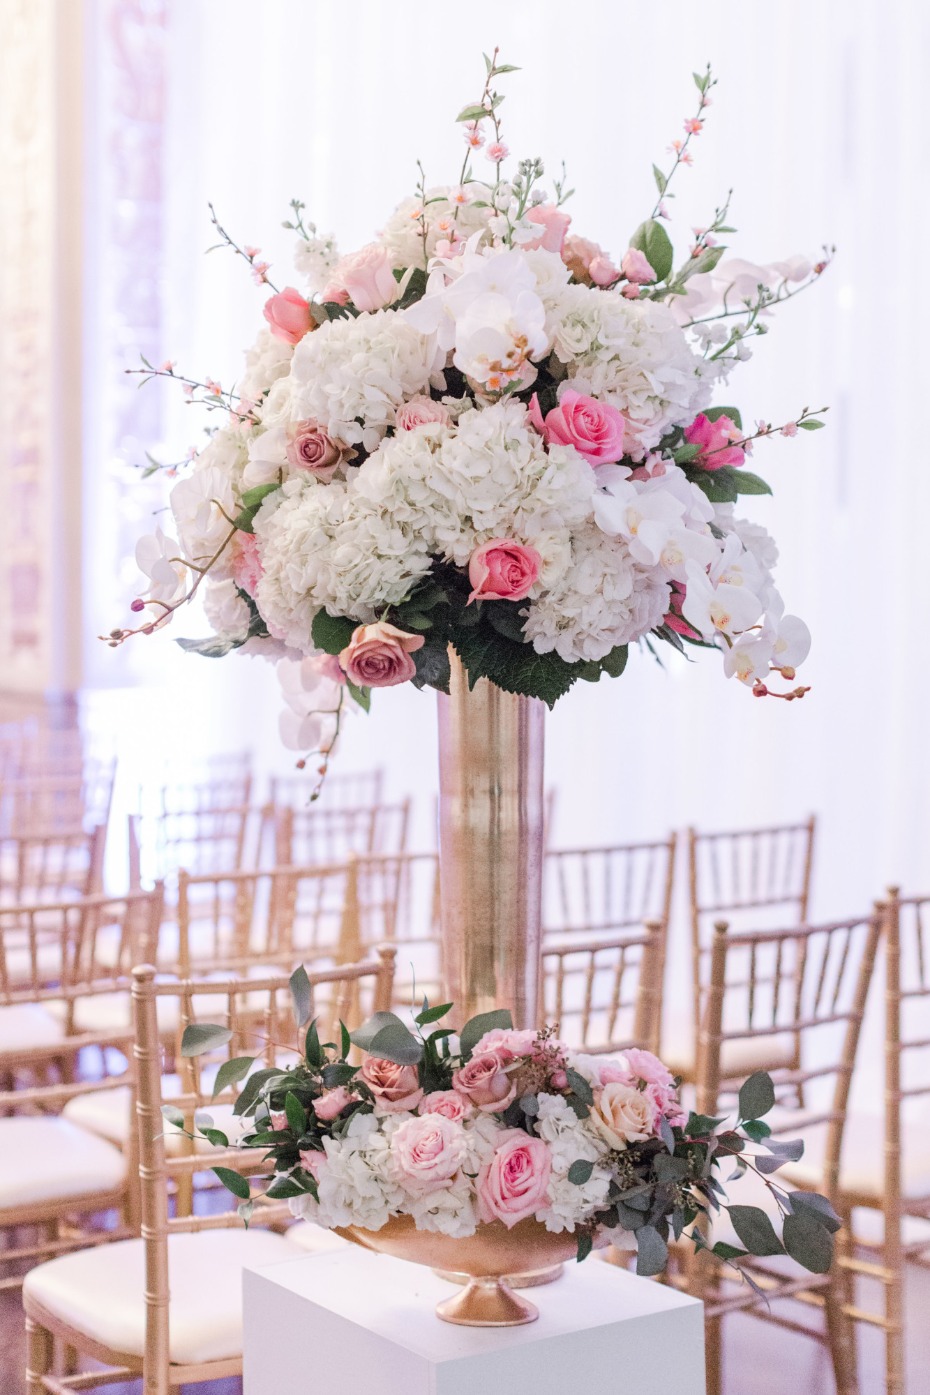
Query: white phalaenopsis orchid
[(718, 610), (158, 557)]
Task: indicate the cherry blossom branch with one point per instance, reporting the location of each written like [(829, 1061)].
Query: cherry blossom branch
[(807, 421), (693, 127), (325, 751), (248, 254), (116, 637)]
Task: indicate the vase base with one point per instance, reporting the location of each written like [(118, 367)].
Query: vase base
[(530, 1278), (486, 1302)]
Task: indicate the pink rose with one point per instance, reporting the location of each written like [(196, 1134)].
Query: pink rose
[(712, 437), (378, 656), (312, 1161), (289, 316), (335, 295), (503, 570), (648, 1068), (508, 1042), (418, 411), (665, 1101), (622, 1115), (366, 276), (484, 1081), (428, 1150), (247, 565), (311, 448), (446, 1103), (554, 224), (394, 1087), (595, 429), (602, 270), (332, 1102), (582, 257), (278, 1119), (514, 1184), (636, 267)]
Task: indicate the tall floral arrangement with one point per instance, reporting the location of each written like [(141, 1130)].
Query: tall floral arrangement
[(484, 430)]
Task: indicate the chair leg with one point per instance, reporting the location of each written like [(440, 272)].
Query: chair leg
[(713, 1355), (841, 1337), (38, 1357)]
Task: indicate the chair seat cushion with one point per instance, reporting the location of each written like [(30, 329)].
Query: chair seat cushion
[(862, 1163), (99, 1291), (108, 1113), (44, 1158), (737, 1058), (24, 1026)]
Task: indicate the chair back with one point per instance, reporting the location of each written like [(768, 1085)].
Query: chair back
[(208, 839), (53, 802), (260, 1021), (322, 835), (219, 782), (605, 993), (352, 789), (601, 890), (51, 864)]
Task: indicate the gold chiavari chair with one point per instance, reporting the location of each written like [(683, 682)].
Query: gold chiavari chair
[(168, 1307), (210, 839), (219, 782), (397, 901), (814, 979), (605, 993), (46, 803), (322, 835), (606, 889), (51, 865), (351, 789)]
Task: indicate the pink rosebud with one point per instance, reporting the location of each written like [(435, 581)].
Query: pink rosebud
[(602, 271), (395, 1088), (332, 1102), (311, 448), (713, 438), (595, 429), (580, 253), (503, 570), (513, 1186), (313, 1161), (554, 224), (484, 1082), (289, 316), (636, 267), (558, 1080), (278, 1119), (378, 656), (418, 412), (366, 277), (630, 291), (335, 295)]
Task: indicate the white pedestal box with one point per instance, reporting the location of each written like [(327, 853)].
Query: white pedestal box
[(356, 1323)]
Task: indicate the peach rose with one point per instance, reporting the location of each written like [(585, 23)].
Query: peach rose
[(289, 316), (428, 1150), (484, 1081), (366, 276), (514, 1184), (394, 1087), (311, 448), (636, 267), (378, 656), (446, 1103), (418, 411), (503, 570), (595, 429), (554, 224), (332, 1102), (622, 1115)]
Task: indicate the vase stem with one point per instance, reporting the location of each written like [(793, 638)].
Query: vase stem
[(491, 831)]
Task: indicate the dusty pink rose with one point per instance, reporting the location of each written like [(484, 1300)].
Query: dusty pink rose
[(613, 1073), (313, 1161), (648, 1068), (311, 448), (484, 1081), (636, 267), (289, 316), (378, 656), (428, 1150), (554, 224), (508, 1042), (332, 1102), (514, 1184), (713, 438), (247, 565), (418, 411), (447, 1103), (394, 1087), (336, 295), (580, 254), (366, 276), (595, 429), (503, 570)]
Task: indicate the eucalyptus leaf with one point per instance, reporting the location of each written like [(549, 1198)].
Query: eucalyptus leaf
[(584, 1245), (756, 1096), (755, 1230), (580, 1087), (580, 1171), (173, 1115), (819, 1205), (199, 1037), (234, 1182), (651, 1252), (395, 1043), (808, 1240), (476, 1027)]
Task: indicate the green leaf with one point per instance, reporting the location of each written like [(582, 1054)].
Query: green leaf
[(651, 1251), (505, 68), (580, 1172), (215, 1137), (757, 1130), (653, 241), (756, 1096), (812, 424), (296, 1115), (718, 485), (432, 1014), (253, 1088), (301, 995), (614, 663), (821, 1207), (313, 1051), (331, 633), (252, 501), (213, 647), (584, 1245), (476, 1027), (659, 177), (345, 1041), (689, 451), (700, 82), (361, 695), (245, 1209), (432, 665), (395, 1043), (282, 1188), (231, 1071), (507, 618), (715, 413), (173, 1115), (414, 289), (755, 1230), (704, 261), (724, 1251), (808, 1241), (788, 1149), (701, 1124), (580, 1087), (234, 1182), (516, 668), (338, 1073), (748, 483), (473, 113), (666, 1134), (530, 1105), (363, 1036), (199, 1037)]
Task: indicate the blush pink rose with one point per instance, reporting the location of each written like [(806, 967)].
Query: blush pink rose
[(313, 1161), (448, 1103), (508, 1042), (485, 1083), (394, 1087), (602, 271), (428, 1150), (713, 438), (580, 255), (289, 316), (613, 1073), (636, 267), (247, 565), (366, 277), (665, 1102), (513, 1186), (378, 656), (332, 1102), (595, 429), (503, 570), (554, 224), (418, 412), (311, 448), (643, 1065)]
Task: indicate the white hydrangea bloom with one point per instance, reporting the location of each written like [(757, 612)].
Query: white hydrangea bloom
[(449, 1210), (354, 1186), (351, 374), (448, 213), (314, 259), (570, 1141), (204, 501), (266, 361), (602, 599)]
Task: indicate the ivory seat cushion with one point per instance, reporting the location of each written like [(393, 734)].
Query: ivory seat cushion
[(45, 1158), (24, 1026), (108, 1113), (737, 1058), (861, 1166), (99, 1291)]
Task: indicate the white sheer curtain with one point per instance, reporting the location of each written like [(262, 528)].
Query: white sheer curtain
[(819, 123)]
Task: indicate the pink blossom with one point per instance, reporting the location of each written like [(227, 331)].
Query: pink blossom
[(418, 411), (554, 224), (332, 1102), (514, 1185), (503, 570), (602, 271), (378, 656), (790, 429), (449, 1103), (595, 429), (713, 438), (631, 291), (643, 1065), (247, 565), (497, 152), (584, 257), (367, 277), (636, 267), (428, 1150), (694, 126), (289, 316), (484, 1082), (395, 1088), (251, 252), (508, 1042), (167, 366)]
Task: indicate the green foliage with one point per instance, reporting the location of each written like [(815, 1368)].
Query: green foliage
[(431, 1014), (296, 1115), (476, 1027), (755, 1230), (516, 668), (361, 695), (234, 1182), (715, 413), (756, 1096), (757, 1130), (748, 483), (584, 1245), (212, 647), (651, 1251), (199, 1037), (331, 633), (252, 501), (812, 424), (808, 1240), (231, 1071), (580, 1171), (653, 241), (473, 113), (301, 995), (385, 1035)]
